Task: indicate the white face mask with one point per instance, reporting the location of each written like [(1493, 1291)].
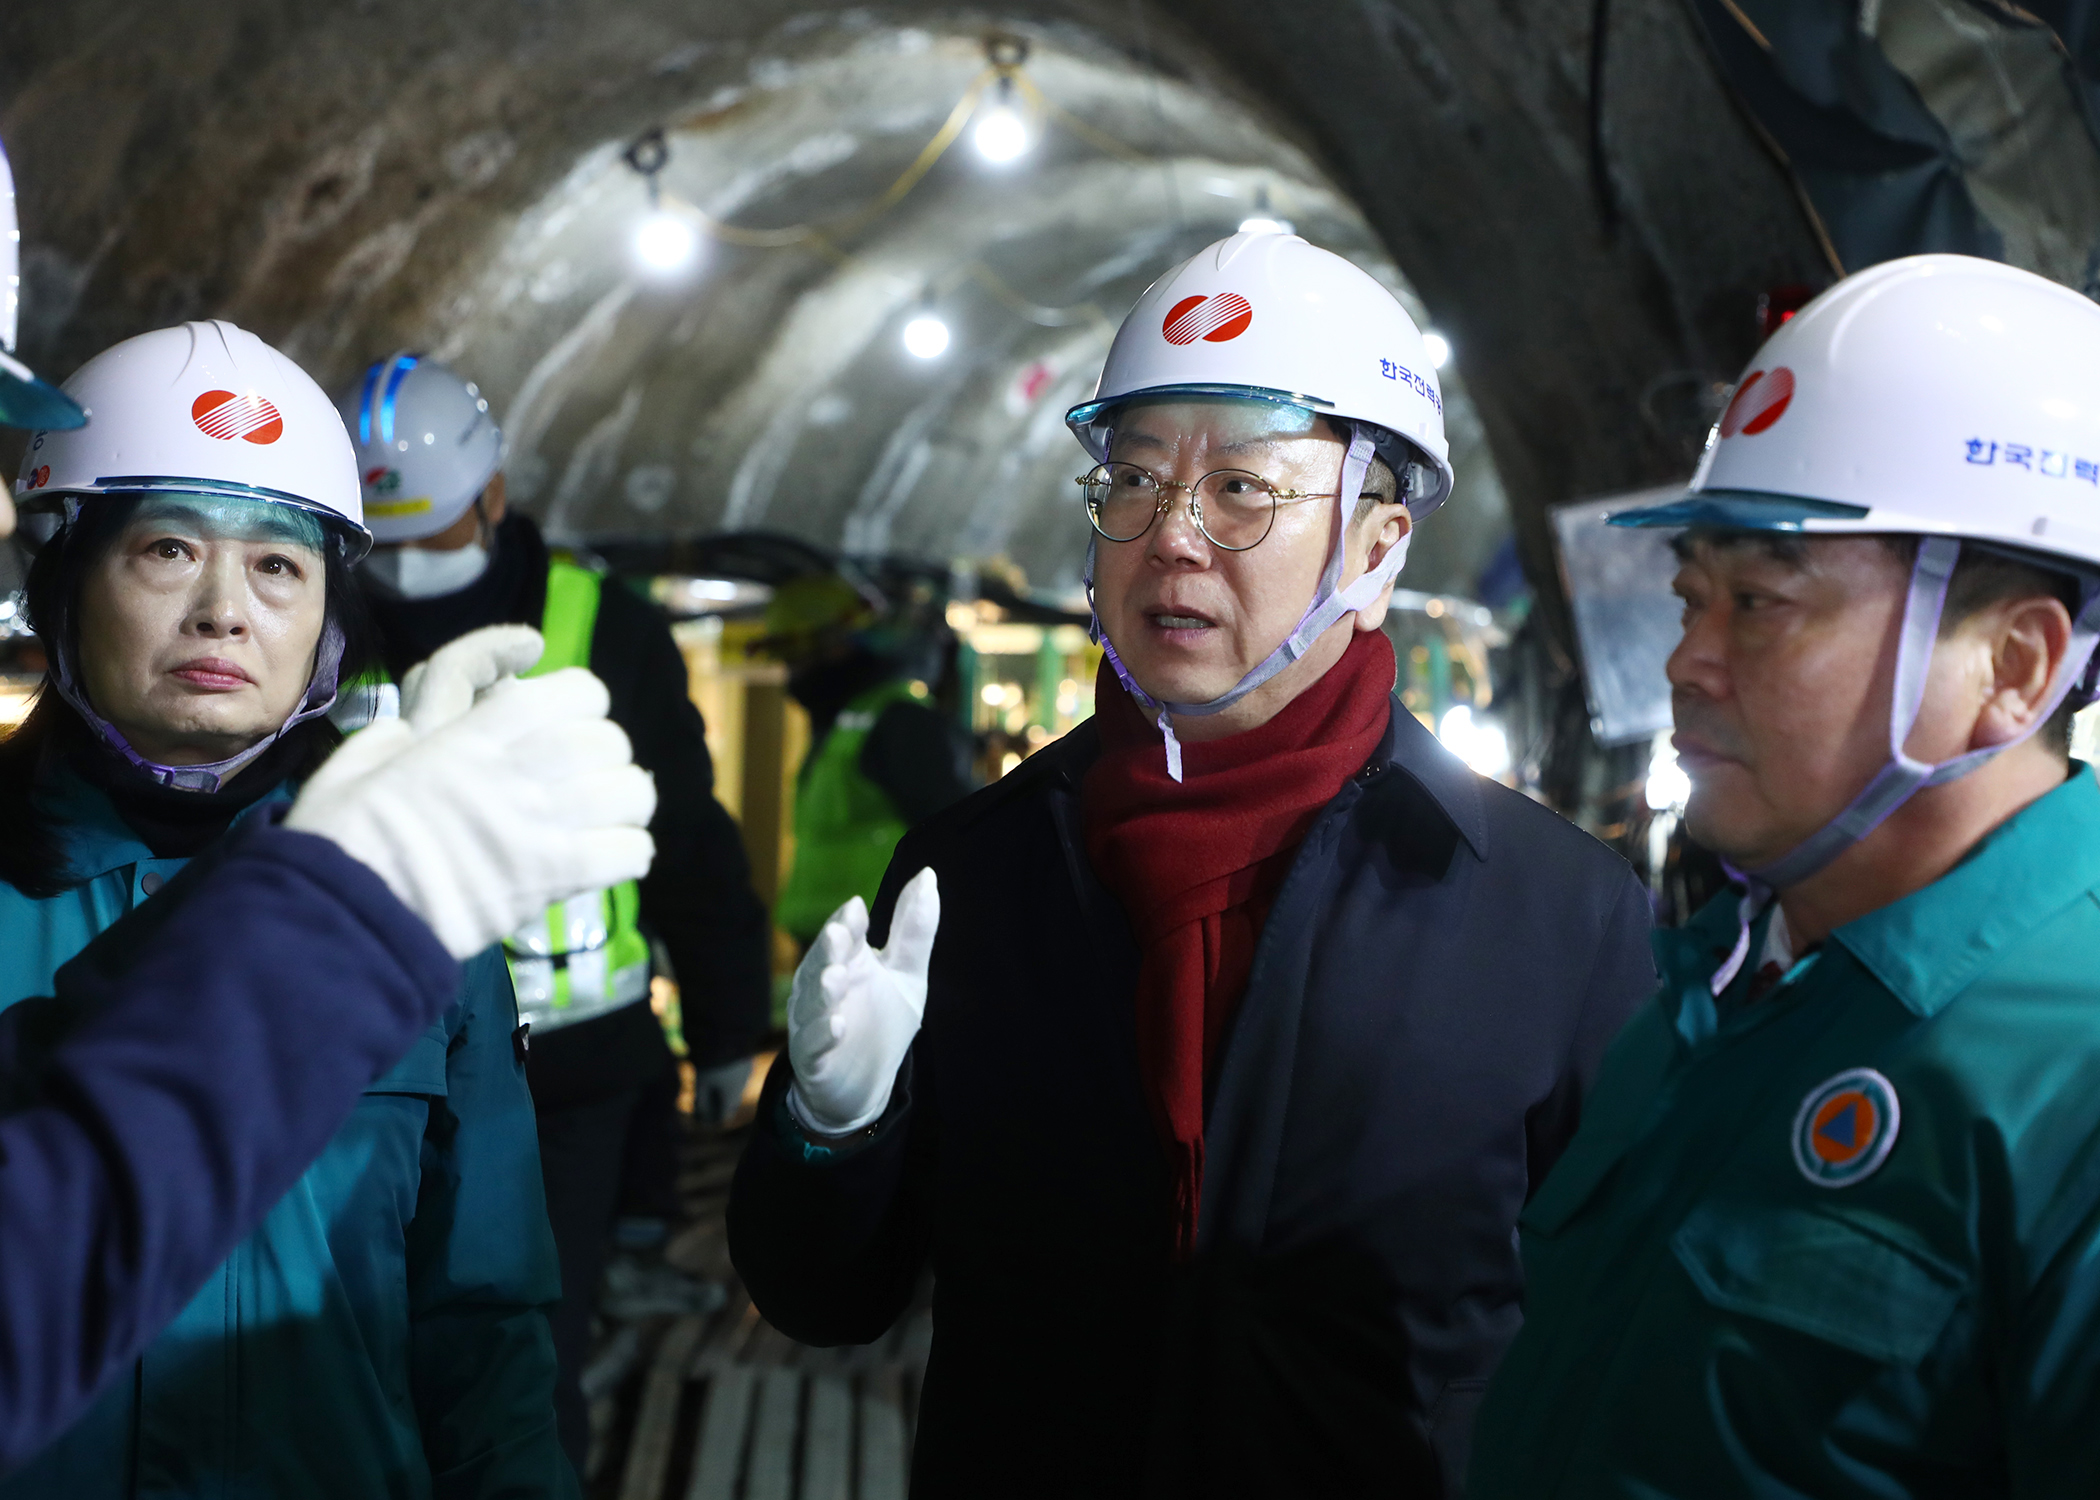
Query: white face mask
[(420, 573)]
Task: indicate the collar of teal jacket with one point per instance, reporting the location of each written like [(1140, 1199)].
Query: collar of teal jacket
[(94, 836), (1930, 945)]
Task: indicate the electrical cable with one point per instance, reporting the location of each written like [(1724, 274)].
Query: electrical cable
[(648, 153)]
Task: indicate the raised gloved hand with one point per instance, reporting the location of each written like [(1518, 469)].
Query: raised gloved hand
[(437, 691), (855, 1009), (492, 798)]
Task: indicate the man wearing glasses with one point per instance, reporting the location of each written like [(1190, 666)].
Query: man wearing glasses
[(1250, 1016)]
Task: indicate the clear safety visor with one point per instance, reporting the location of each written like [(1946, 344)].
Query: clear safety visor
[(1739, 510), (36, 405), (327, 525), (221, 518), (1093, 413), (1286, 413)]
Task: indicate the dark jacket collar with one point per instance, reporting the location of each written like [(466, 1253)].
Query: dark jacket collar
[(1450, 784), (1431, 780)]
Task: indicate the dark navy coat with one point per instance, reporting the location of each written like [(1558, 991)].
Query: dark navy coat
[(383, 1330), (1433, 990), (144, 1143)]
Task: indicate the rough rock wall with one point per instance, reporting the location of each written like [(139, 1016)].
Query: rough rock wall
[(344, 177)]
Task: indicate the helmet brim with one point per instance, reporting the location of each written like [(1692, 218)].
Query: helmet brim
[(1086, 420), (354, 540), (26, 401), (1738, 510), (1087, 413)]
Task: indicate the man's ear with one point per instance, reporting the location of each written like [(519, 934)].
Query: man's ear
[(1384, 528), (2029, 639), (493, 502)]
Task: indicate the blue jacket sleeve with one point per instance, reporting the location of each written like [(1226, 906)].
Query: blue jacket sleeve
[(482, 1267), (175, 1088)]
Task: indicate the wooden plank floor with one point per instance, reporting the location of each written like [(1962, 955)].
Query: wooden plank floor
[(726, 1407)]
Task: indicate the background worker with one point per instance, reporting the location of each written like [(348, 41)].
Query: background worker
[(1252, 1015), (387, 1318), (449, 557), (881, 758), (1832, 1225)]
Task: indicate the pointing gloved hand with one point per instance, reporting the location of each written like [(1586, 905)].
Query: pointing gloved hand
[(855, 1009), (492, 797)]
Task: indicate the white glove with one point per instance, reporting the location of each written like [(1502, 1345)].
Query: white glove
[(437, 691), (855, 1009), (527, 797)]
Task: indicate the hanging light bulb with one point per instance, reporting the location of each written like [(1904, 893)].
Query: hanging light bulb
[(926, 336), (1438, 348), (664, 241), (1001, 135)]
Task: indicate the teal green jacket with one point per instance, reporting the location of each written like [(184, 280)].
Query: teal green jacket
[(384, 1333), (1759, 1271)]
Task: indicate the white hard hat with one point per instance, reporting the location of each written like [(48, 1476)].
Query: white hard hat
[(426, 445), (25, 401), (1269, 317), (1935, 395), (209, 409), (1940, 396)]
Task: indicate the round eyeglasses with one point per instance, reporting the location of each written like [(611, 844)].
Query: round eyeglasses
[(1233, 508)]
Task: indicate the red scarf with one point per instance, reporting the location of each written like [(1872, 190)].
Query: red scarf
[(1196, 865)]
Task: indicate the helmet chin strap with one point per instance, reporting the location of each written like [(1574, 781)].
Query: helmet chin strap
[(1903, 777), (1329, 604), (319, 698)]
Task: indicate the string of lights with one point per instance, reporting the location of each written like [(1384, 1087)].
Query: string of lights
[(1004, 112), (1004, 103)]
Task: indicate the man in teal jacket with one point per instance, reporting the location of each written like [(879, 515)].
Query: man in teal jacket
[(1831, 1225)]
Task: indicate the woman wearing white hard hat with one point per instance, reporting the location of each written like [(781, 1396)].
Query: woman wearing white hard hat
[(387, 1318), (1836, 1220), (1250, 1016)]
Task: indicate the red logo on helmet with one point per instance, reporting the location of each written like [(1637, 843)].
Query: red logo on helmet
[(225, 416), (1759, 401), (41, 477), (1212, 319)]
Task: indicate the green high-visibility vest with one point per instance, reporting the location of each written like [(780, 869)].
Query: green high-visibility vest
[(846, 827), (585, 956)]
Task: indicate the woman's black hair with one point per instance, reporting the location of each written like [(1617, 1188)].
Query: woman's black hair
[(32, 858)]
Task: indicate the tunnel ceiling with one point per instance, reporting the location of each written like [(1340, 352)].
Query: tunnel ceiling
[(349, 179)]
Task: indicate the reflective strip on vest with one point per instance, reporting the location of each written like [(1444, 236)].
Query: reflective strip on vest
[(571, 964), (585, 956)]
